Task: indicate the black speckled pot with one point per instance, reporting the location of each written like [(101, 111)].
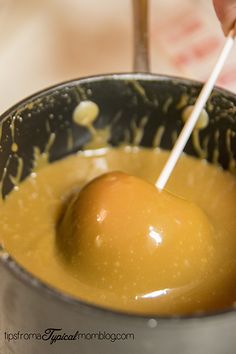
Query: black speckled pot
[(26, 304)]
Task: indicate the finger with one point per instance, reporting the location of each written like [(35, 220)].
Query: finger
[(226, 12)]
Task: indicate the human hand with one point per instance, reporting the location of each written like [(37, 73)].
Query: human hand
[(226, 13)]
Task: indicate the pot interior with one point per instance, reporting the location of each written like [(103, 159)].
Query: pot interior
[(138, 109)]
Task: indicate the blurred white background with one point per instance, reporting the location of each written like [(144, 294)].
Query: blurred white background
[(43, 42)]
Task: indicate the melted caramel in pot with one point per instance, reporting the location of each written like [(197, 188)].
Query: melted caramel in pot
[(119, 242)]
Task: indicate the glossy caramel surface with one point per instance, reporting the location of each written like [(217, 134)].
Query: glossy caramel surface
[(119, 242)]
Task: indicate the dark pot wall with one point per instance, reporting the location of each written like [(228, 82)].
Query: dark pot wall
[(44, 121)]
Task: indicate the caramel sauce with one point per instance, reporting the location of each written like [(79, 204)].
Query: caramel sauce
[(120, 243)]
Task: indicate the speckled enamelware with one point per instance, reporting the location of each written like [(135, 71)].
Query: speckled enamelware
[(43, 124)]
